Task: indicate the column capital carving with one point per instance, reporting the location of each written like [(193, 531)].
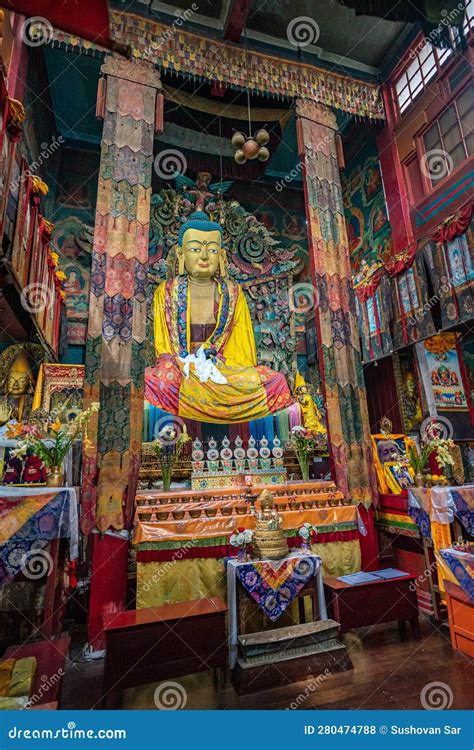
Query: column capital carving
[(318, 113), (137, 71)]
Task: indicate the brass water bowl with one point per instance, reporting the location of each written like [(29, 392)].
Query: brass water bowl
[(321, 503), (226, 510), (142, 501), (144, 516), (308, 504), (164, 500), (346, 501), (178, 515), (210, 512), (241, 510), (162, 515), (333, 502), (195, 512)]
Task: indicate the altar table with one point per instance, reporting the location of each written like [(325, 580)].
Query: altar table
[(266, 587)]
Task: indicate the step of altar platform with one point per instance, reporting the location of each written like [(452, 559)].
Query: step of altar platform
[(273, 658)]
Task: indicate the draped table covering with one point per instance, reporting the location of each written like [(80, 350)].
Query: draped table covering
[(273, 585), (183, 559), (30, 518), (433, 509), (458, 567)]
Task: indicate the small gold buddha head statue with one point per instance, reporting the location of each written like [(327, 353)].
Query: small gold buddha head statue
[(200, 251), (19, 380)]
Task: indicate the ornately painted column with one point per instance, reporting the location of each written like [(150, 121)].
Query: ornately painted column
[(117, 314), (339, 352)]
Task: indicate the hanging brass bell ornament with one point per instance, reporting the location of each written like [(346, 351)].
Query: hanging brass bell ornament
[(262, 137), (238, 140), (240, 157)]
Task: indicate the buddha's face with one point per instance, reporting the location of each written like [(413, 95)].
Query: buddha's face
[(202, 251), (18, 383)]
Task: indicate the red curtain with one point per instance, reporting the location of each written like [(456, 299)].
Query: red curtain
[(401, 261), (88, 19), (454, 226)]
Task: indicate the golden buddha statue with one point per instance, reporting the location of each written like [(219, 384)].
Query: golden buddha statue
[(206, 366), (17, 387), (310, 412)]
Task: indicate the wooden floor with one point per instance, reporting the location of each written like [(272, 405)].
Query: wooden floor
[(387, 674)]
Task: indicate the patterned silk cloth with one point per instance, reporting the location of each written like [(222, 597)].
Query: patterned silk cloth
[(458, 567), (274, 584), (29, 519)]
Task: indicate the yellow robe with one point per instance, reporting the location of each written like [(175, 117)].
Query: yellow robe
[(251, 391)]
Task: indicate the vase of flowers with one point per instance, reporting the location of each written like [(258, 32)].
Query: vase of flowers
[(241, 539), (169, 446), (50, 439), (307, 534), (304, 443), (431, 442)]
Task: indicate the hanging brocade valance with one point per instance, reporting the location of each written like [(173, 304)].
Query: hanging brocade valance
[(187, 53)]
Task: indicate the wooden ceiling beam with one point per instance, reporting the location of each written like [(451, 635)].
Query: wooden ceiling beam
[(236, 19)]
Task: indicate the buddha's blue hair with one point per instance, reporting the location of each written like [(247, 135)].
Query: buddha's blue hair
[(199, 220)]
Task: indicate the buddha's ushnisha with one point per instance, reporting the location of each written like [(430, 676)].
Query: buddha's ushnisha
[(206, 366)]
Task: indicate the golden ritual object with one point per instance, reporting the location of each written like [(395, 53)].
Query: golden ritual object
[(269, 541)]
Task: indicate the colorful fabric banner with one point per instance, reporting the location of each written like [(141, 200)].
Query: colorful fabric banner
[(115, 346), (188, 54), (274, 584), (341, 366)]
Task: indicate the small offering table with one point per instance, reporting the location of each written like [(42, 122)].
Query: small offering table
[(368, 604)]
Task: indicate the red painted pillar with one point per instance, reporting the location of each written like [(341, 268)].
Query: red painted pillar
[(108, 583)]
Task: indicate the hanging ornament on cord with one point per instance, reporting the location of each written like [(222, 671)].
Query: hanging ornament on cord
[(249, 146)]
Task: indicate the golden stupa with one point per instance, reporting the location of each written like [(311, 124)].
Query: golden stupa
[(269, 541)]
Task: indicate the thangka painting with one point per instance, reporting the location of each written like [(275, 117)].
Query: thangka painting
[(72, 240), (444, 373), (365, 211)]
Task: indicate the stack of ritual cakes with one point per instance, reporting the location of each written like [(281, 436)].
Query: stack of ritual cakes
[(269, 542)]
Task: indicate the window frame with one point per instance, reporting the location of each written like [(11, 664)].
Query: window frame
[(441, 61)]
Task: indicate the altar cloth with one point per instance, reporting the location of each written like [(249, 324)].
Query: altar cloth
[(32, 517), (273, 584)]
